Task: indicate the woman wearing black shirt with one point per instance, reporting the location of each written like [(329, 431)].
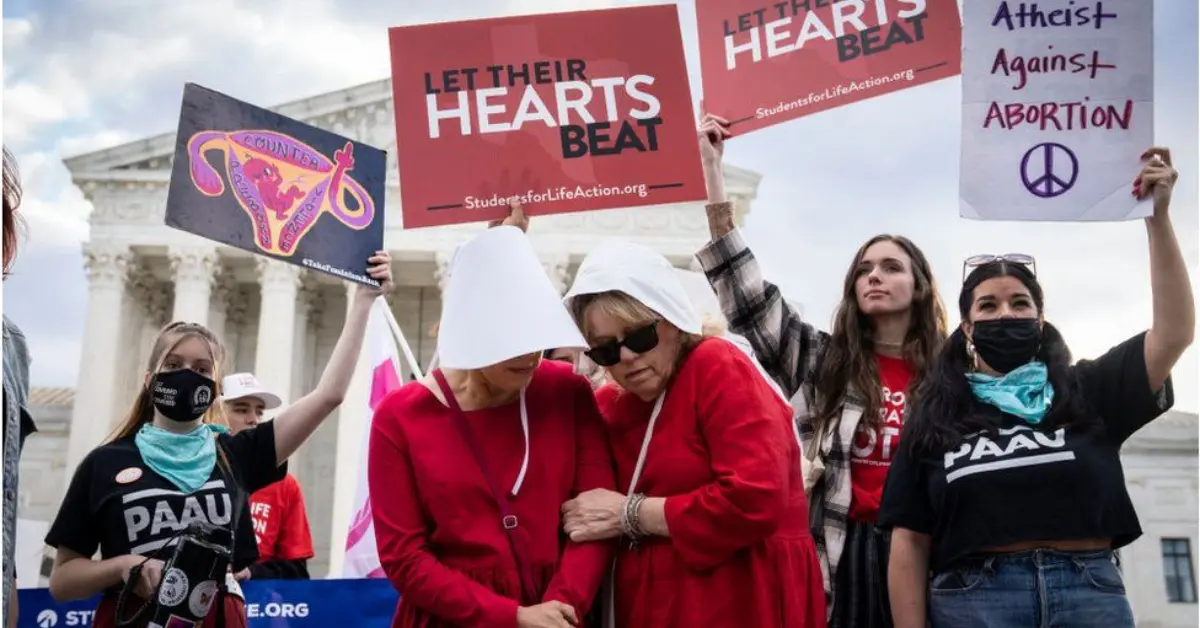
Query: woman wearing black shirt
[(1008, 486), (171, 464)]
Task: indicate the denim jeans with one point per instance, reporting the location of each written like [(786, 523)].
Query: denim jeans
[(1031, 589)]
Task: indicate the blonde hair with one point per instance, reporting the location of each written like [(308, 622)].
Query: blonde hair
[(626, 310), (142, 410), (629, 313), (712, 326)]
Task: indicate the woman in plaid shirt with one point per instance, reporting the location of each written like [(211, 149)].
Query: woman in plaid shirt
[(848, 388)]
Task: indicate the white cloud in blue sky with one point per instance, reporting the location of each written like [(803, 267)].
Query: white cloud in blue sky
[(84, 76)]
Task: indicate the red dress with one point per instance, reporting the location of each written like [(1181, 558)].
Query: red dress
[(726, 458), (437, 525)]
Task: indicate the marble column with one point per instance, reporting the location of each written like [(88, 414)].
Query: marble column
[(192, 269), (107, 267), (301, 462), (237, 308), (352, 423), (152, 301), (555, 265), (224, 288), (279, 283), (306, 299), (441, 270)]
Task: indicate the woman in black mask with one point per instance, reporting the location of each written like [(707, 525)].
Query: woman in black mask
[(172, 464), (1008, 486)]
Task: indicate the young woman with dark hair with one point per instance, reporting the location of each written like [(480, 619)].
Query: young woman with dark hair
[(848, 388), (17, 422), (172, 463), (1008, 487)]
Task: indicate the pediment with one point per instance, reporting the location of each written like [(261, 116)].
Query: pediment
[(363, 112)]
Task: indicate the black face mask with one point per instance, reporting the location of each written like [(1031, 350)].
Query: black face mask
[(182, 395), (1007, 343)]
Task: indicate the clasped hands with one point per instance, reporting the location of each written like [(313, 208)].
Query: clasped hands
[(593, 515)]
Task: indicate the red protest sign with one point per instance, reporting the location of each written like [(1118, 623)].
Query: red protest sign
[(561, 112), (765, 62)]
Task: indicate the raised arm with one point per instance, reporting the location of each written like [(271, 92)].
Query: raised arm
[(298, 421), (786, 346), (1174, 324)]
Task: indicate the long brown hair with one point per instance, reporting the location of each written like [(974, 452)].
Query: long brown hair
[(12, 202), (142, 410), (849, 360)]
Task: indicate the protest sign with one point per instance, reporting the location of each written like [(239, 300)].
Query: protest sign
[(560, 112), (764, 62), (269, 604), (1057, 109), (260, 181)]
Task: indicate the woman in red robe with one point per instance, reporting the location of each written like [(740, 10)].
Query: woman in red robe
[(714, 524), (457, 554)]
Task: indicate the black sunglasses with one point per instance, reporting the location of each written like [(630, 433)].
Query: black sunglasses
[(638, 341), (976, 261)]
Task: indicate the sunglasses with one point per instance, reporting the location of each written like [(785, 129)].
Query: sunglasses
[(976, 261), (638, 341)]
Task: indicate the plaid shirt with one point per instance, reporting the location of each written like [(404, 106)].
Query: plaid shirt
[(790, 350)]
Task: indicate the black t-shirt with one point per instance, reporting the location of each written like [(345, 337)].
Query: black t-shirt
[(1029, 483), (120, 505)]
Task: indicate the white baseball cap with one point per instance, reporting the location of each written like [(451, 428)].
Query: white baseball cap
[(242, 385)]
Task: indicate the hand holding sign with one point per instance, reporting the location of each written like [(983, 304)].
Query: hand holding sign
[(714, 130), (1159, 177), (379, 269), (148, 573), (516, 218)]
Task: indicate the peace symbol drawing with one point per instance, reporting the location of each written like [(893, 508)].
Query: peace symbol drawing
[(1049, 169)]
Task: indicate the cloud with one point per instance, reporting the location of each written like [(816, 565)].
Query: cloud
[(93, 76)]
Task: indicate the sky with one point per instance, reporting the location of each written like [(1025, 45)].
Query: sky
[(82, 76)]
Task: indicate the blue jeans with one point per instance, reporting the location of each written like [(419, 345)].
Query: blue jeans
[(1031, 589)]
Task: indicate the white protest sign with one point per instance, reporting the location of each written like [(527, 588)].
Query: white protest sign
[(1058, 106)]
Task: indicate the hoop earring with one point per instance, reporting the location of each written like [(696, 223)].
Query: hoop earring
[(971, 353)]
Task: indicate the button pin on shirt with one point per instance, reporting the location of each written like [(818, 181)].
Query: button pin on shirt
[(128, 475)]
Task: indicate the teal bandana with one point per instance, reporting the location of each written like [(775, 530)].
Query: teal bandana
[(187, 460), (1024, 392)]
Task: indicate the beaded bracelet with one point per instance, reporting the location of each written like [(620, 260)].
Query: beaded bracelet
[(631, 525)]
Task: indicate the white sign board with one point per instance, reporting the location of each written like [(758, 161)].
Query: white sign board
[(29, 542), (1058, 106)]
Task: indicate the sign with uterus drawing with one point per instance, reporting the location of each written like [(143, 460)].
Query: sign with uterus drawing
[(271, 185)]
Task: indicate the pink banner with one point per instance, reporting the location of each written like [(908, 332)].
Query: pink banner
[(362, 555)]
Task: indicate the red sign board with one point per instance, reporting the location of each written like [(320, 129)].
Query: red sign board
[(562, 112), (766, 62)]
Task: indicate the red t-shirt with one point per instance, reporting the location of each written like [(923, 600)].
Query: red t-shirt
[(873, 450), (280, 523)]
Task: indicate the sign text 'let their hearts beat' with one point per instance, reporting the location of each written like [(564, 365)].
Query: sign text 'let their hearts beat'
[(765, 62), (560, 112)]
